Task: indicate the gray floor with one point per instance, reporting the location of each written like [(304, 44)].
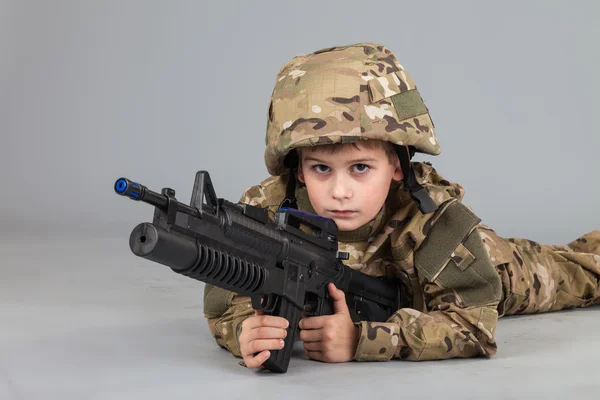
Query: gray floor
[(83, 318)]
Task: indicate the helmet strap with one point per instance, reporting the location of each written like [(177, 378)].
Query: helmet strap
[(291, 163), (290, 191), (418, 193)]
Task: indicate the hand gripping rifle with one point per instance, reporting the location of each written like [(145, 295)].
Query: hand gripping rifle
[(284, 269)]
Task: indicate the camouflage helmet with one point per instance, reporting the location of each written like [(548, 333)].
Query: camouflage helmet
[(342, 95)]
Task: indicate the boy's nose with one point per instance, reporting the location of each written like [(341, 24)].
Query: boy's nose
[(340, 189)]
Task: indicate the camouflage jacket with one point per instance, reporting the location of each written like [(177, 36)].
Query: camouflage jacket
[(441, 257)]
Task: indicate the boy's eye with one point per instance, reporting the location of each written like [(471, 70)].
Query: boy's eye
[(360, 168), (320, 168)]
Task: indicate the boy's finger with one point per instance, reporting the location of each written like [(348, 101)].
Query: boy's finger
[(267, 320), (313, 322), (311, 335), (339, 300), (256, 346), (314, 355), (258, 360), (265, 332), (313, 346)]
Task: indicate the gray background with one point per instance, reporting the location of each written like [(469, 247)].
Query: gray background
[(94, 90), (155, 91)]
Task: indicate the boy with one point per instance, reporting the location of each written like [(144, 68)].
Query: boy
[(343, 124)]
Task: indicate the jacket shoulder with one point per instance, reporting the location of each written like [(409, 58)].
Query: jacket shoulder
[(267, 194), (439, 188)]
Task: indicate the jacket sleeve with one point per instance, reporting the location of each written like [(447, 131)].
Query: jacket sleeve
[(225, 325), (461, 291)]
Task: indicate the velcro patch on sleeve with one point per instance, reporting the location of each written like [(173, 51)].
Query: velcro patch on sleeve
[(453, 257)]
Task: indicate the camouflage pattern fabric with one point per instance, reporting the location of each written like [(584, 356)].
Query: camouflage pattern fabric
[(535, 278), (541, 278)]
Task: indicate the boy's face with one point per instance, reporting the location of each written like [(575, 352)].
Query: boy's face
[(350, 186)]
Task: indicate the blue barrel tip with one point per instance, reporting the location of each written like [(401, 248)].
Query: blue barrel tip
[(121, 185)]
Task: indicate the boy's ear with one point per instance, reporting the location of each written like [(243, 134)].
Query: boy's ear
[(397, 174), (300, 173)]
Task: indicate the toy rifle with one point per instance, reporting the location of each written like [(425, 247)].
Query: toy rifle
[(284, 265)]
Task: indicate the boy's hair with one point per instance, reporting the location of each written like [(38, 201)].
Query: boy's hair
[(370, 144)]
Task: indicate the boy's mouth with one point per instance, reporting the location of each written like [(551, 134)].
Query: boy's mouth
[(342, 213)]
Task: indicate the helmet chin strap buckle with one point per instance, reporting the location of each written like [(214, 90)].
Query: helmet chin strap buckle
[(290, 191), (418, 193), (426, 204), (288, 203)]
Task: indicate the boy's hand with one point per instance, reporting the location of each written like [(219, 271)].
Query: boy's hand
[(331, 338), (261, 333)]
